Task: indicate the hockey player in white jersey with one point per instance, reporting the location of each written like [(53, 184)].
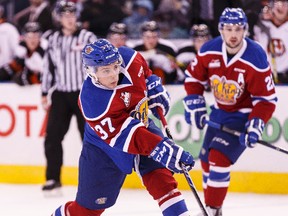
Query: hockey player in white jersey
[(9, 37), (271, 32)]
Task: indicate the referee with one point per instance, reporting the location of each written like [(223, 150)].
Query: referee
[(63, 76)]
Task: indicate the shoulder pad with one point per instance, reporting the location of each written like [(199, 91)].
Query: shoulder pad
[(255, 55), (214, 45), (126, 53), (94, 101)]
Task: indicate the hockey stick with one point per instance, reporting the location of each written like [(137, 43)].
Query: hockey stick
[(237, 133), (185, 171)]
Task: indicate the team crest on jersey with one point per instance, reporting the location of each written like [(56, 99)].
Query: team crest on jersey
[(276, 47), (225, 91), (141, 111), (126, 97), (88, 49)]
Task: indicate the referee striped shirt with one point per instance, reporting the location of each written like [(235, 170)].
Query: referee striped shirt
[(63, 68)]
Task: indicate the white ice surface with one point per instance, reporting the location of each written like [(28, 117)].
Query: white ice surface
[(28, 200)]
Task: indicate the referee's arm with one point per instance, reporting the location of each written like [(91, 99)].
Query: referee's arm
[(48, 76)]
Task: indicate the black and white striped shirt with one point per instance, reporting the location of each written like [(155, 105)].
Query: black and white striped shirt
[(63, 62)]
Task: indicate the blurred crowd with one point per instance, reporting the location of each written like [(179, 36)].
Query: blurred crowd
[(167, 32)]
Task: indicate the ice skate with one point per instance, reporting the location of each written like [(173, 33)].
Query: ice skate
[(52, 188), (212, 211)]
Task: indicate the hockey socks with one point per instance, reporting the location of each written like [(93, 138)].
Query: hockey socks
[(162, 186), (61, 210), (174, 205), (216, 178), (74, 209)]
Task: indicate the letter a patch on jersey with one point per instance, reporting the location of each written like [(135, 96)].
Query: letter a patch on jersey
[(126, 97)]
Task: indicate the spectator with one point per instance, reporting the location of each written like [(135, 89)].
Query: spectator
[(27, 67), (172, 17), (252, 9), (158, 52), (9, 39), (271, 33), (142, 12), (117, 35), (98, 15), (199, 34), (210, 11), (38, 11), (63, 72)]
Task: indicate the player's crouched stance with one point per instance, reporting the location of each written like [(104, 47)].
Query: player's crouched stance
[(115, 99)]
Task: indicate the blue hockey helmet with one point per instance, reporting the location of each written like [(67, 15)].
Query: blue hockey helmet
[(100, 53), (233, 16)]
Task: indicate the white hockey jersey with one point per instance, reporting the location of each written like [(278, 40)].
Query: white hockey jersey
[(274, 40), (9, 40)]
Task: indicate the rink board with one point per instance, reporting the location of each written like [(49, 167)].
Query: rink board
[(247, 182), (261, 170)]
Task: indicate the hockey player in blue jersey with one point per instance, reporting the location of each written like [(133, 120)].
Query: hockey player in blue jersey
[(119, 136), (237, 70)]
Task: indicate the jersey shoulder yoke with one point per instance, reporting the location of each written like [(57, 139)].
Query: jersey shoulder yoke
[(94, 101)]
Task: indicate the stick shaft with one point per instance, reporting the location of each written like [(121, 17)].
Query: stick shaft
[(237, 133), (185, 171), (164, 123)]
